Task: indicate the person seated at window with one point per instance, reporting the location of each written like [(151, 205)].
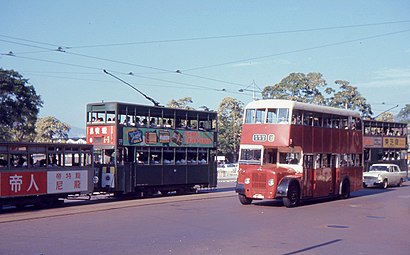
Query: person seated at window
[(201, 126), (137, 122), (145, 122), (153, 123), (169, 123)]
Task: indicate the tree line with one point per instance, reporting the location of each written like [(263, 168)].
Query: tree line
[(20, 106)]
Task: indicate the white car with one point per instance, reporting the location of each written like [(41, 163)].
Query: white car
[(383, 175)]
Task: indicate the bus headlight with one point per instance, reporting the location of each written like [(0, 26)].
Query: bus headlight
[(271, 182), (247, 180)]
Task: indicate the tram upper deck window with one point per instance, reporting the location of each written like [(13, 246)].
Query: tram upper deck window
[(3, 160)]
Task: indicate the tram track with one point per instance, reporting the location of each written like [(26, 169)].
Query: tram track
[(91, 206)]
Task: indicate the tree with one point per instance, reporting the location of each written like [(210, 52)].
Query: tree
[(20, 106), (350, 98), (308, 88), (298, 87), (229, 127), (386, 116), (404, 114), (181, 103), (50, 128)]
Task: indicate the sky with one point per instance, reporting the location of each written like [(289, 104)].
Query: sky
[(206, 50)]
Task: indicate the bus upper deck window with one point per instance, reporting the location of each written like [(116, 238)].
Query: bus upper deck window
[(283, 115), (249, 115)]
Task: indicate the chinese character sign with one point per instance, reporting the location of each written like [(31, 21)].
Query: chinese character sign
[(101, 134), (394, 142), (23, 183), (67, 181)]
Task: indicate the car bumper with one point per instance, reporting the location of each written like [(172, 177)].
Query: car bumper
[(371, 183)]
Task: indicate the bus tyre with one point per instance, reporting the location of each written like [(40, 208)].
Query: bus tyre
[(385, 184), (293, 197), (244, 200), (345, 190)]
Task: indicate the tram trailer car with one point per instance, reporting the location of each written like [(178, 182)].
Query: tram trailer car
[(44, 174), (141, 150)]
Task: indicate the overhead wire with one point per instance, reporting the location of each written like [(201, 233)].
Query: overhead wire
[(240, 35), (183, 72), (296, 51)]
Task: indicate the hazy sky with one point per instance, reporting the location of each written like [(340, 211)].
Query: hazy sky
[(217, 47)]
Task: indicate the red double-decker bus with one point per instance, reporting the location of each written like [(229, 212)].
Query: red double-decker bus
[(293, 151)]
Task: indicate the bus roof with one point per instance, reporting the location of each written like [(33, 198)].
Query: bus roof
[(281, 103)]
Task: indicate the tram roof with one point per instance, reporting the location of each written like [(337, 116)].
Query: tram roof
[(139, 109), (281, 103)]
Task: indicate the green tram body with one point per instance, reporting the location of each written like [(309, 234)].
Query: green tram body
[(143, 149)]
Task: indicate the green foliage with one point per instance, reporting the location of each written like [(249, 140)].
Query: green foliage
[(181, 103), (350, 98), (404, 114), (386, 116), (50, 128), (298, 87), (230, 112), (20, 106), (308, 88)]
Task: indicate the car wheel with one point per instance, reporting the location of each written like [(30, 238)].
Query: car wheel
[(400, 183), (244, 200), (292, 199), (385, 184)]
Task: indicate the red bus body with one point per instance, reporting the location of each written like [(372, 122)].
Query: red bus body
[(322, 170)]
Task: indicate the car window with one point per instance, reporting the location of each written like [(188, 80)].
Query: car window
[(379, 168)]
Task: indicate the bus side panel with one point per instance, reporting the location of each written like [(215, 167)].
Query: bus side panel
[(176, 174), (296, 132), (307, 139), (336, 147), (317, 139), (345, 141), (327, 139)]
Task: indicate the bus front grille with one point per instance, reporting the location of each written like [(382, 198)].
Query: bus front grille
[(259, 180)]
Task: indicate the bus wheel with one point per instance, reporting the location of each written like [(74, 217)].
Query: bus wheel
[(293, 197), (385, 184), (345, 190), (244, 200)]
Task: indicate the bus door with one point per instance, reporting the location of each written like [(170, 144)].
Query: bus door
[(308, 175)]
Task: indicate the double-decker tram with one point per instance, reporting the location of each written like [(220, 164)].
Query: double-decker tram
[(292, 151), (142, 149), (385, 142), (44, 173)]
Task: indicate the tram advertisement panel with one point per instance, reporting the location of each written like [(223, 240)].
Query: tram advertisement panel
[(67, 181), (372, 142), (101, 135), (167, 137), (23, 183), (394, 142)]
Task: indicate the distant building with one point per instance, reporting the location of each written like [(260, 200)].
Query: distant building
[(77, 140)]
